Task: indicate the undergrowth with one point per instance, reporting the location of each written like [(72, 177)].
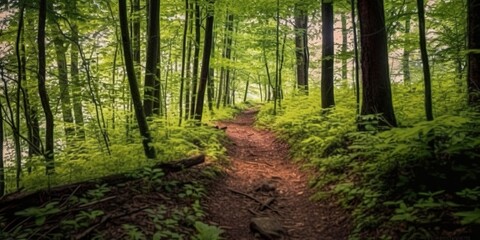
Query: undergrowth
[(90, 159), (418, 181)]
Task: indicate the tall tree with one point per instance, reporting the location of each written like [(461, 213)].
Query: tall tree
[(474, 52), (328, 99), (42, 90), (344, 45), (376, 95), (132, 80), (228, 56), (74, 73), (301, 45), (196, 55), (182, 74), (153, 36), (61, 47), (406, 52), (207, 51), (426, 65)]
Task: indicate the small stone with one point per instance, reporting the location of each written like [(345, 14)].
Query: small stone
[(267, 227)]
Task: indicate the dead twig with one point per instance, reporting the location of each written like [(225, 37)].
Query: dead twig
[(254, 199)]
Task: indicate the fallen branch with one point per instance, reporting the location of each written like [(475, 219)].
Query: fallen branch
[(267, 203), (254, 199), (17, 201)]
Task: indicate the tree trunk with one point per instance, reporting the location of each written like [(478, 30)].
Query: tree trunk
[(76, 84), (132, 80), (474, 53), (136, 38), (228, 56), (376, 95), (152, 54), (196, 55), (182, 74), (207, 51), (426, 66), (344, 46), (189, 61), (327, 84), (301, 46), (406, 53), (211, 79), (65, 102), (42, 90)]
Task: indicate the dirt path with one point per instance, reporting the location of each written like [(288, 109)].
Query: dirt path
[(260, 168)]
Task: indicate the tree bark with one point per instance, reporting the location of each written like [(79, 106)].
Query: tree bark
[(132, 80), (327, 85), (182, 74), (152, 54), (426, 65), (376, 95), (228, 56), (301, 46), (474, 53), (207, 51), (66, 105), (42, 90), (344, 46), (196, 55), (406, 53)]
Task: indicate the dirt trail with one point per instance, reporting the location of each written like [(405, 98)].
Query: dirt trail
[(261, 168)]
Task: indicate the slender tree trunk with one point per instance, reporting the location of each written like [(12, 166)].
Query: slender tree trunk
[(189, 61), (228, 56), (16, 124), (301, 46), (207, 51), (152, 54), (377, 96), (136, 38), (29, 110), (406, 53), (327, 84), (42, 90), (473, 76), (277, 59), (76, 84), (356, 64), (134, 91), (426, 65), (196, 55), (182, 74), (211, 79), (65, 102), (246, 90), (344, 46)]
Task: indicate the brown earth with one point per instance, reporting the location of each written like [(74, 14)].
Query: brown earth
[(260, 168)]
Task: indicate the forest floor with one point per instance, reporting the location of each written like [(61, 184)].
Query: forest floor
[(263, 187), (259, 191)]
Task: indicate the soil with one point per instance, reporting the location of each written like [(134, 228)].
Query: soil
[(261, 169)]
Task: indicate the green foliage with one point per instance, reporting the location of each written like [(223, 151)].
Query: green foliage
[(409, 181), (207, 232), (40, 213)]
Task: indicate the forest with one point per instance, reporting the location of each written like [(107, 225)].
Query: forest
[(223, 119)]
